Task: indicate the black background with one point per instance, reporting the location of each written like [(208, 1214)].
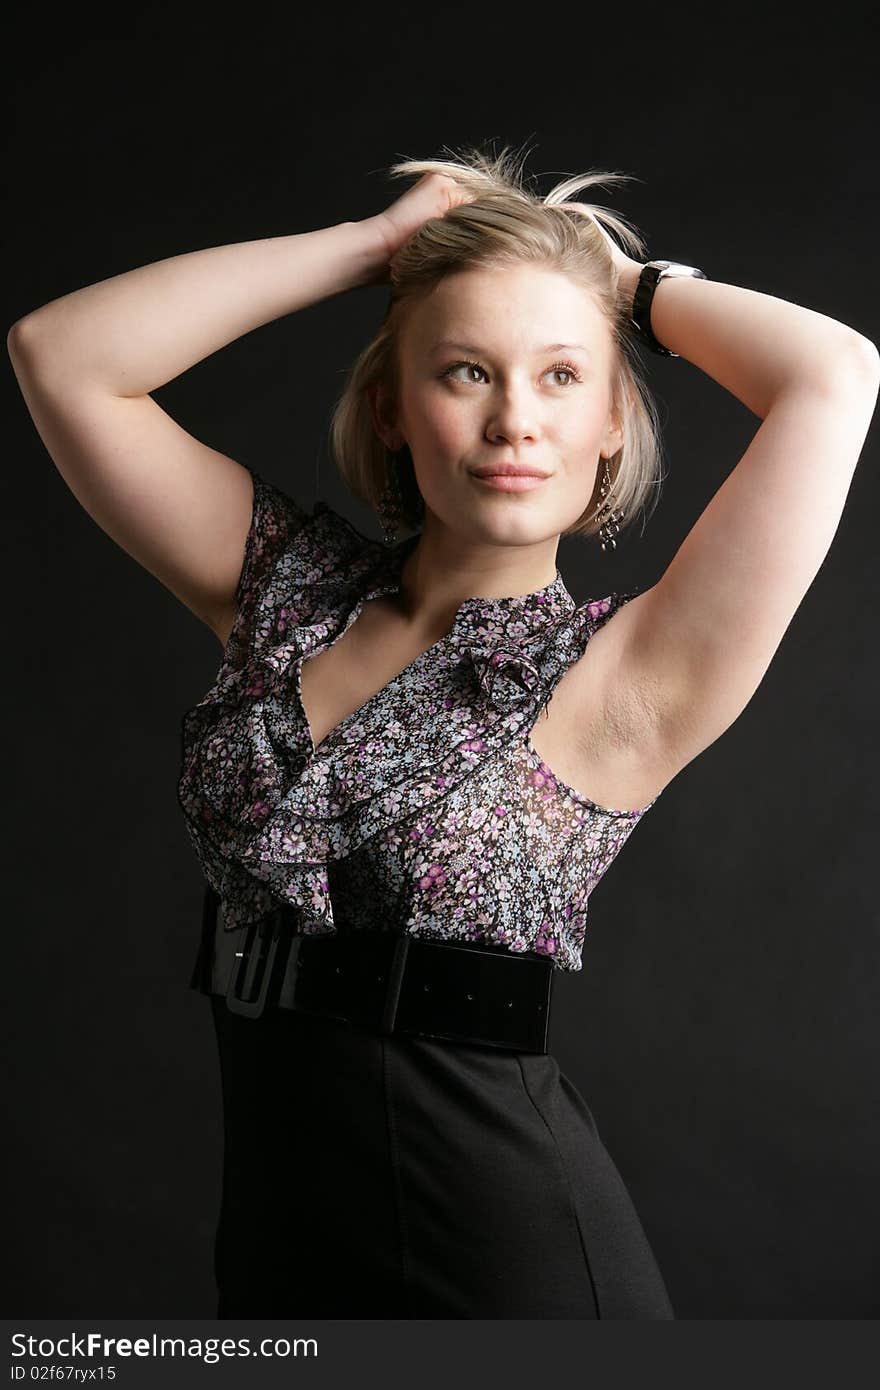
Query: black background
[(723, 1029)]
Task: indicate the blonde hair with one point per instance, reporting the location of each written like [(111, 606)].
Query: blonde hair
[(505, 223)]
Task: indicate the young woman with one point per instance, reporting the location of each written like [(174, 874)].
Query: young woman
[(419, 755)]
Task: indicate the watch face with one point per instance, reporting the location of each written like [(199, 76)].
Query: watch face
[(676, 268)]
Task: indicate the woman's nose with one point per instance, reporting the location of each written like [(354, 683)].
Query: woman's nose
[(512, 418)]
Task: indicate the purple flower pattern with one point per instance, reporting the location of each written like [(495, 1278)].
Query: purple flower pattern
[(427, 809)]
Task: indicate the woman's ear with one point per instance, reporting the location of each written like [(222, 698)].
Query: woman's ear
[(612, 442), (377, 398)]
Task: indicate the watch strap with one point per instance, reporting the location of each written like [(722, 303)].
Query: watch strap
[(652, 273)]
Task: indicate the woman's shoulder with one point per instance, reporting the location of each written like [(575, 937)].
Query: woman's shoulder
[(288, 550)]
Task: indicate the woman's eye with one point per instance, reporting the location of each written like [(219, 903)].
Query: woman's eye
[(470, 366), (560, 369)]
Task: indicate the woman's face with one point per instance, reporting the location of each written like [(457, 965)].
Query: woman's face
[(526, 401)]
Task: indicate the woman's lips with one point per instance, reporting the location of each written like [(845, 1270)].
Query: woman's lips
[(509, 482)]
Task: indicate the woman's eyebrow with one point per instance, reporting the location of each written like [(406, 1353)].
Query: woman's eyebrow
[(479, 352)]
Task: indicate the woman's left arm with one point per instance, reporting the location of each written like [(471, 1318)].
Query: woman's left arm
[(752, 344), (698, 643)]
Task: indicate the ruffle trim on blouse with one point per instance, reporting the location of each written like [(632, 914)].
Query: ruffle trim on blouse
[(265, 811)]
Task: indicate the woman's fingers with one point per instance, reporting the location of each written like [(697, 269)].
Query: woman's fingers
[(622, 261), (433, 196)]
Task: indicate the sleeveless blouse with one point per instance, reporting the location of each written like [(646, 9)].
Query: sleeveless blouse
[(426, 810)]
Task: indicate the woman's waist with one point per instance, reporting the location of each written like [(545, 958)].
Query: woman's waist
[(390, 980)]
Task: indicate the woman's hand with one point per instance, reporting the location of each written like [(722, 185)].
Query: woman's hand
[(628, 270), (432, 196)]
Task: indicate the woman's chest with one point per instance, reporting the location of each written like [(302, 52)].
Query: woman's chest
[(358, 669), (377, 658)]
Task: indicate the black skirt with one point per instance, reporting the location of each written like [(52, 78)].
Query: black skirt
[(374, 1176)]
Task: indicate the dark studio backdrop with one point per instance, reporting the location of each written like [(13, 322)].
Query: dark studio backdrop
[(723, 1029)]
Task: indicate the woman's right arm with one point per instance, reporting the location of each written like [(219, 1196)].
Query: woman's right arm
[(87, 362)]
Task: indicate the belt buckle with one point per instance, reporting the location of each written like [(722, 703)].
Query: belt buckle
[(249, 979)]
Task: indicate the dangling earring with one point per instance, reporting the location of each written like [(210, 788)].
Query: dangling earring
[(390, 507), (610, 518)]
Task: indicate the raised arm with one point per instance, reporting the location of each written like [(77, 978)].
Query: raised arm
[(86, 363), (694, 648)]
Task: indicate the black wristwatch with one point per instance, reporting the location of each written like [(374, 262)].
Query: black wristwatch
[(652, 273)]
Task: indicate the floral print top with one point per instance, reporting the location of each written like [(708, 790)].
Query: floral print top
[(426, 810)]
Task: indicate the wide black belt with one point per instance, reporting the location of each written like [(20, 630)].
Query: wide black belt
[(384, 980)]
